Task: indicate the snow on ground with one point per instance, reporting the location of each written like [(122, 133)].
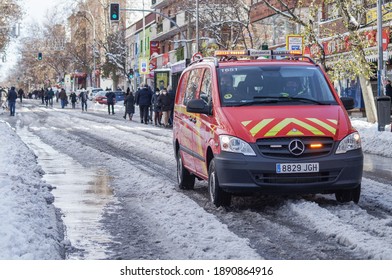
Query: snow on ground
[(28, 224)]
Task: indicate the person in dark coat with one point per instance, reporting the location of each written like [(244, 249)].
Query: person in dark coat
[(73, 98), (172, 95), (129, 103), (388, 89), (21, 94), (110, 99), (143, 100), (156, 108), (83, 100), (63, 97), (11, 98), (165, 103)]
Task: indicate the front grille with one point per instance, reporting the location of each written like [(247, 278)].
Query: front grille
[(298, 178), (278, 147)]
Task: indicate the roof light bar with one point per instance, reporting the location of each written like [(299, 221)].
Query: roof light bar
[(253, 52), (230, 52)]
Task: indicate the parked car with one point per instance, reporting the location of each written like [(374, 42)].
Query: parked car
[(92, 92), (100, 97), (119, 95)]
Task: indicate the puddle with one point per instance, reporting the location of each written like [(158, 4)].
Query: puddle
[(81, 194)]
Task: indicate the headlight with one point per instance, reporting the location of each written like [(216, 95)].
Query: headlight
[(235, 145), (349, 143)]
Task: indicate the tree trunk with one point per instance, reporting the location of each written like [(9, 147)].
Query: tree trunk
[(368, 99)]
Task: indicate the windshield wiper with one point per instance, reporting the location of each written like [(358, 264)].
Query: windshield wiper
[(263, 101), (305, 100)]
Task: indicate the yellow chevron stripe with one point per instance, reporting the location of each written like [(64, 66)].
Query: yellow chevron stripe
[(260, 126), (275, 130), (295, 133), (245, 123), (323, 124), (333, 121)]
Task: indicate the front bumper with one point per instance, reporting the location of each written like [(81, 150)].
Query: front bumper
[(244, 174)]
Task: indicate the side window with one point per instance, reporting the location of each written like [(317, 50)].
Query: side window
[(206, 90), (182, 87), (193, 84)]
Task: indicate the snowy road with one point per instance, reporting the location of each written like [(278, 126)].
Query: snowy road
[(149, 218)]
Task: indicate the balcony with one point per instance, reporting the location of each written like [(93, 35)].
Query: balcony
[(165, 28)]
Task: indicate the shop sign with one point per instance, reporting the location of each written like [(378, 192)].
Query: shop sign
[(154, 47), (371, 15), (342, 44)]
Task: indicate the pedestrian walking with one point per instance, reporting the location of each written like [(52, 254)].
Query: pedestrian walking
[(164, 102), (143, 100), (110, 99), (73, 98), (43, 95), (20, 94), (63, 98), (129, 103), (11, 98), (156, 108), (172, 95), (83, 97)]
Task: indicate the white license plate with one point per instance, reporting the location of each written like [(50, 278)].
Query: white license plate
[(297, 167)]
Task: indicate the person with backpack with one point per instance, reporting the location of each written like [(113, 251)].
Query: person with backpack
[(73, 98)]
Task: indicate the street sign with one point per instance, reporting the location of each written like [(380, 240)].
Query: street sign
[(294, 42)]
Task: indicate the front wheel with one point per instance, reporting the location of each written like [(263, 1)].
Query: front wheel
[(185, 179), (218, 196), (349, 195)]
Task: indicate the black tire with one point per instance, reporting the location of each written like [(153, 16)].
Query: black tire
[(185, 180), (349, 195), (217, 196)]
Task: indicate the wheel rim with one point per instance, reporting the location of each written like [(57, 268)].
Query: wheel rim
[(212, 186), (179, 169)]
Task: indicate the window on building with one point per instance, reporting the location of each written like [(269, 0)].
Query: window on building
[(330, 12)]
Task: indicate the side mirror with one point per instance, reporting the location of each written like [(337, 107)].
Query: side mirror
[(198, 106), (348, 102)]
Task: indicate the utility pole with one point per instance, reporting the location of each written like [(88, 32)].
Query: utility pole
[(94, 45), (380, 88)]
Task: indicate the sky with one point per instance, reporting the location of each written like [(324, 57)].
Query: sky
[(34, 11)]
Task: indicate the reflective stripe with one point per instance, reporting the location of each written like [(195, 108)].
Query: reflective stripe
[(298, 127), (324, 125)]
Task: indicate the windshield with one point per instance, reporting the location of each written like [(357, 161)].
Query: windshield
[(247, 85)]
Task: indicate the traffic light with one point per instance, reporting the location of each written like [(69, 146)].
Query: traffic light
[(130, 73), (39, 56), (114, 11)]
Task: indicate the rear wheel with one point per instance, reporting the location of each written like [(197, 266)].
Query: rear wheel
[(218, 196), (349, 195), (185, 179)]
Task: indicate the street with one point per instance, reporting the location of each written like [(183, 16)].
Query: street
[(115, 185)]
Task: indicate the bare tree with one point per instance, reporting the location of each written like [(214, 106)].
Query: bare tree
[(353, 15)]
